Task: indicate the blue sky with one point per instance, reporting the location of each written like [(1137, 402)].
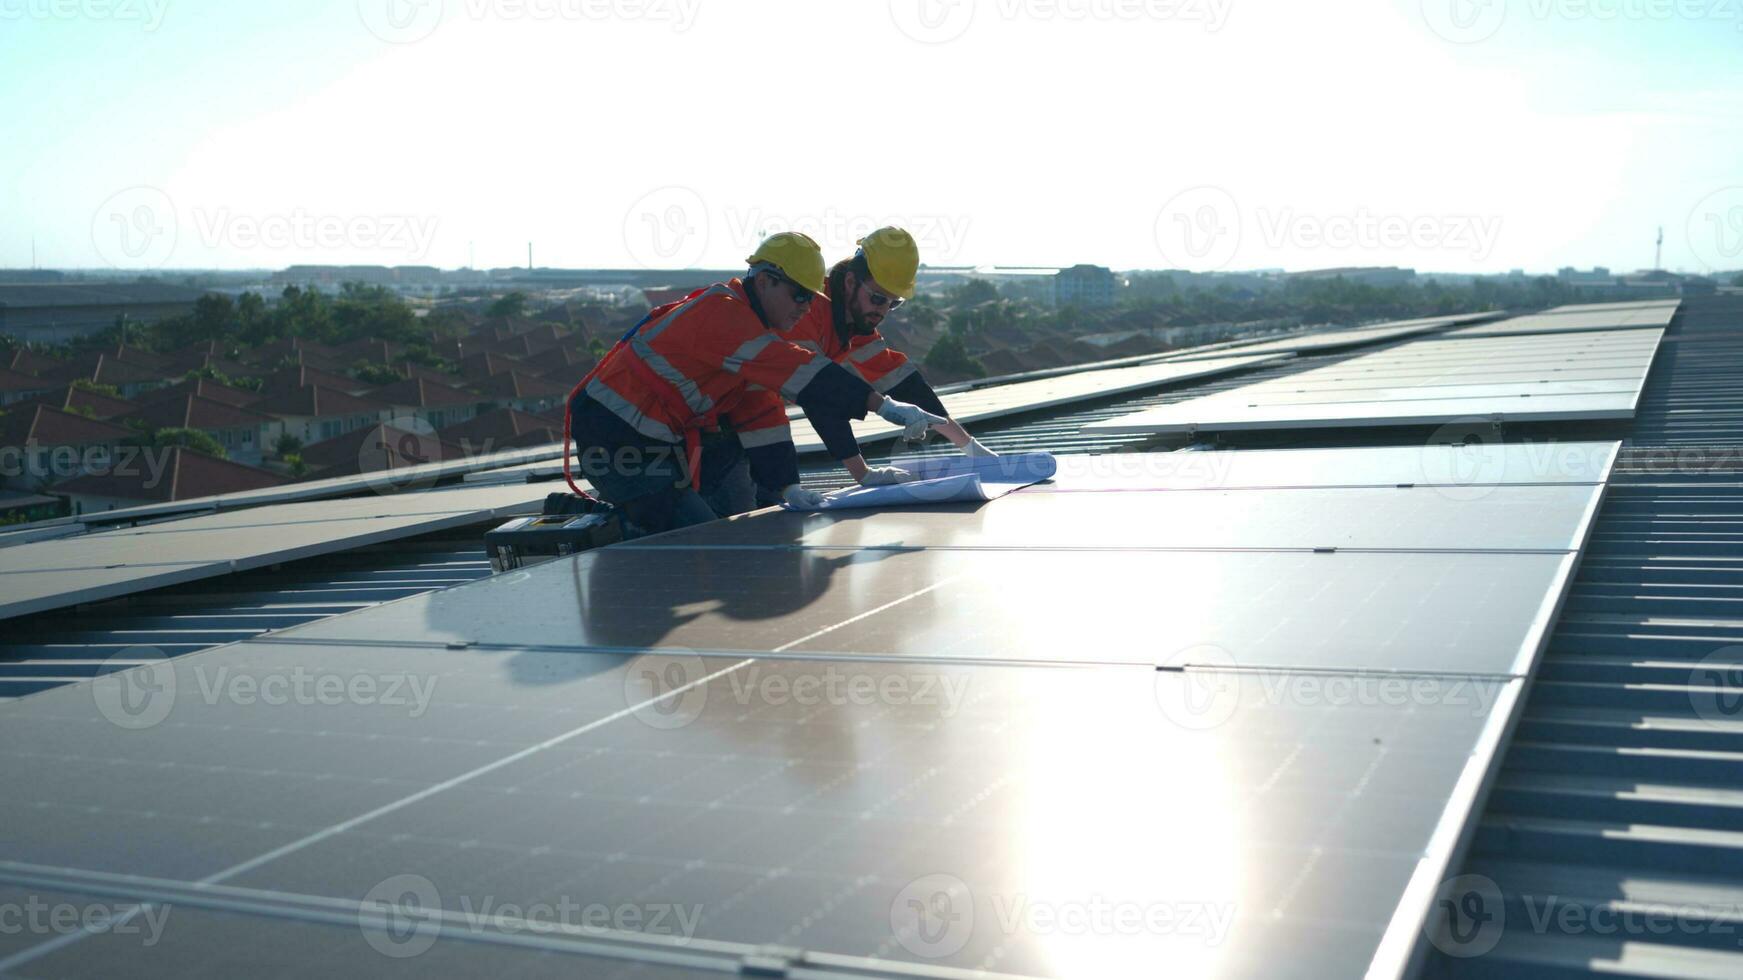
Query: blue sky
[(1455, 135)]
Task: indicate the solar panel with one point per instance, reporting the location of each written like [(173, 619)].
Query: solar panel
[(1408, 386), (1556, 321), (1326, 340), (1461, 470), (830, 757), (104, 564), (774, 804), (1544, 518)]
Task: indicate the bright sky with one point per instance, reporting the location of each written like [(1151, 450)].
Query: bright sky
[(1446, 135)]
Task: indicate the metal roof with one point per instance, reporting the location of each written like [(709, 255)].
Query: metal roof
[(1613, 837)]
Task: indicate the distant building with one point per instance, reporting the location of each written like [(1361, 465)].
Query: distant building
[(1378, 276), (1085, 285), (41, 444), (56, 312)]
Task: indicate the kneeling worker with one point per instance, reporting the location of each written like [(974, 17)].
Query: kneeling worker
[(714, 359), (862, 290)]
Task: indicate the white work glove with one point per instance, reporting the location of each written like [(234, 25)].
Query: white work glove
[(975, 448), (883, 476), (799, 498), (914, 420)]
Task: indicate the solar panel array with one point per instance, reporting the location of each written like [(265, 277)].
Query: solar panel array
[(1579, 376), (104, 564), (1573, 319), (1195, 716)]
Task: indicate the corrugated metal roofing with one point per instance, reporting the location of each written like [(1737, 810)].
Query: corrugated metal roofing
[(1614, 833)]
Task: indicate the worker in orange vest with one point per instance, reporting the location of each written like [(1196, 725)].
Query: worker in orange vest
[(720, 361), (862, 290)]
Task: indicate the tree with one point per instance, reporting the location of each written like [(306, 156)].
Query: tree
[(972, 292), (188, 439), (86, 384), (375, 374), (1737, 280), (514, 304), (949, 355), (294, 463), (286, 445)]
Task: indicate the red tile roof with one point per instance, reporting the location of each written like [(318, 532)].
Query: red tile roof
[(107, 370), (194, 412), (16, 381), (45, 426), (503, 428), (186, 474), (72, 398), (419, 393), (240, 397), (486, 363), (377, 449), (289, 379), (513, 384), (26, 361), (314, 401)]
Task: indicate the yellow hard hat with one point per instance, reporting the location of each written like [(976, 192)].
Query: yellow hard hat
[(893, 258), (796, 255)]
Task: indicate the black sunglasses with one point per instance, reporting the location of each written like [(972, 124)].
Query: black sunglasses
[(878, 299), (801, 295)]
